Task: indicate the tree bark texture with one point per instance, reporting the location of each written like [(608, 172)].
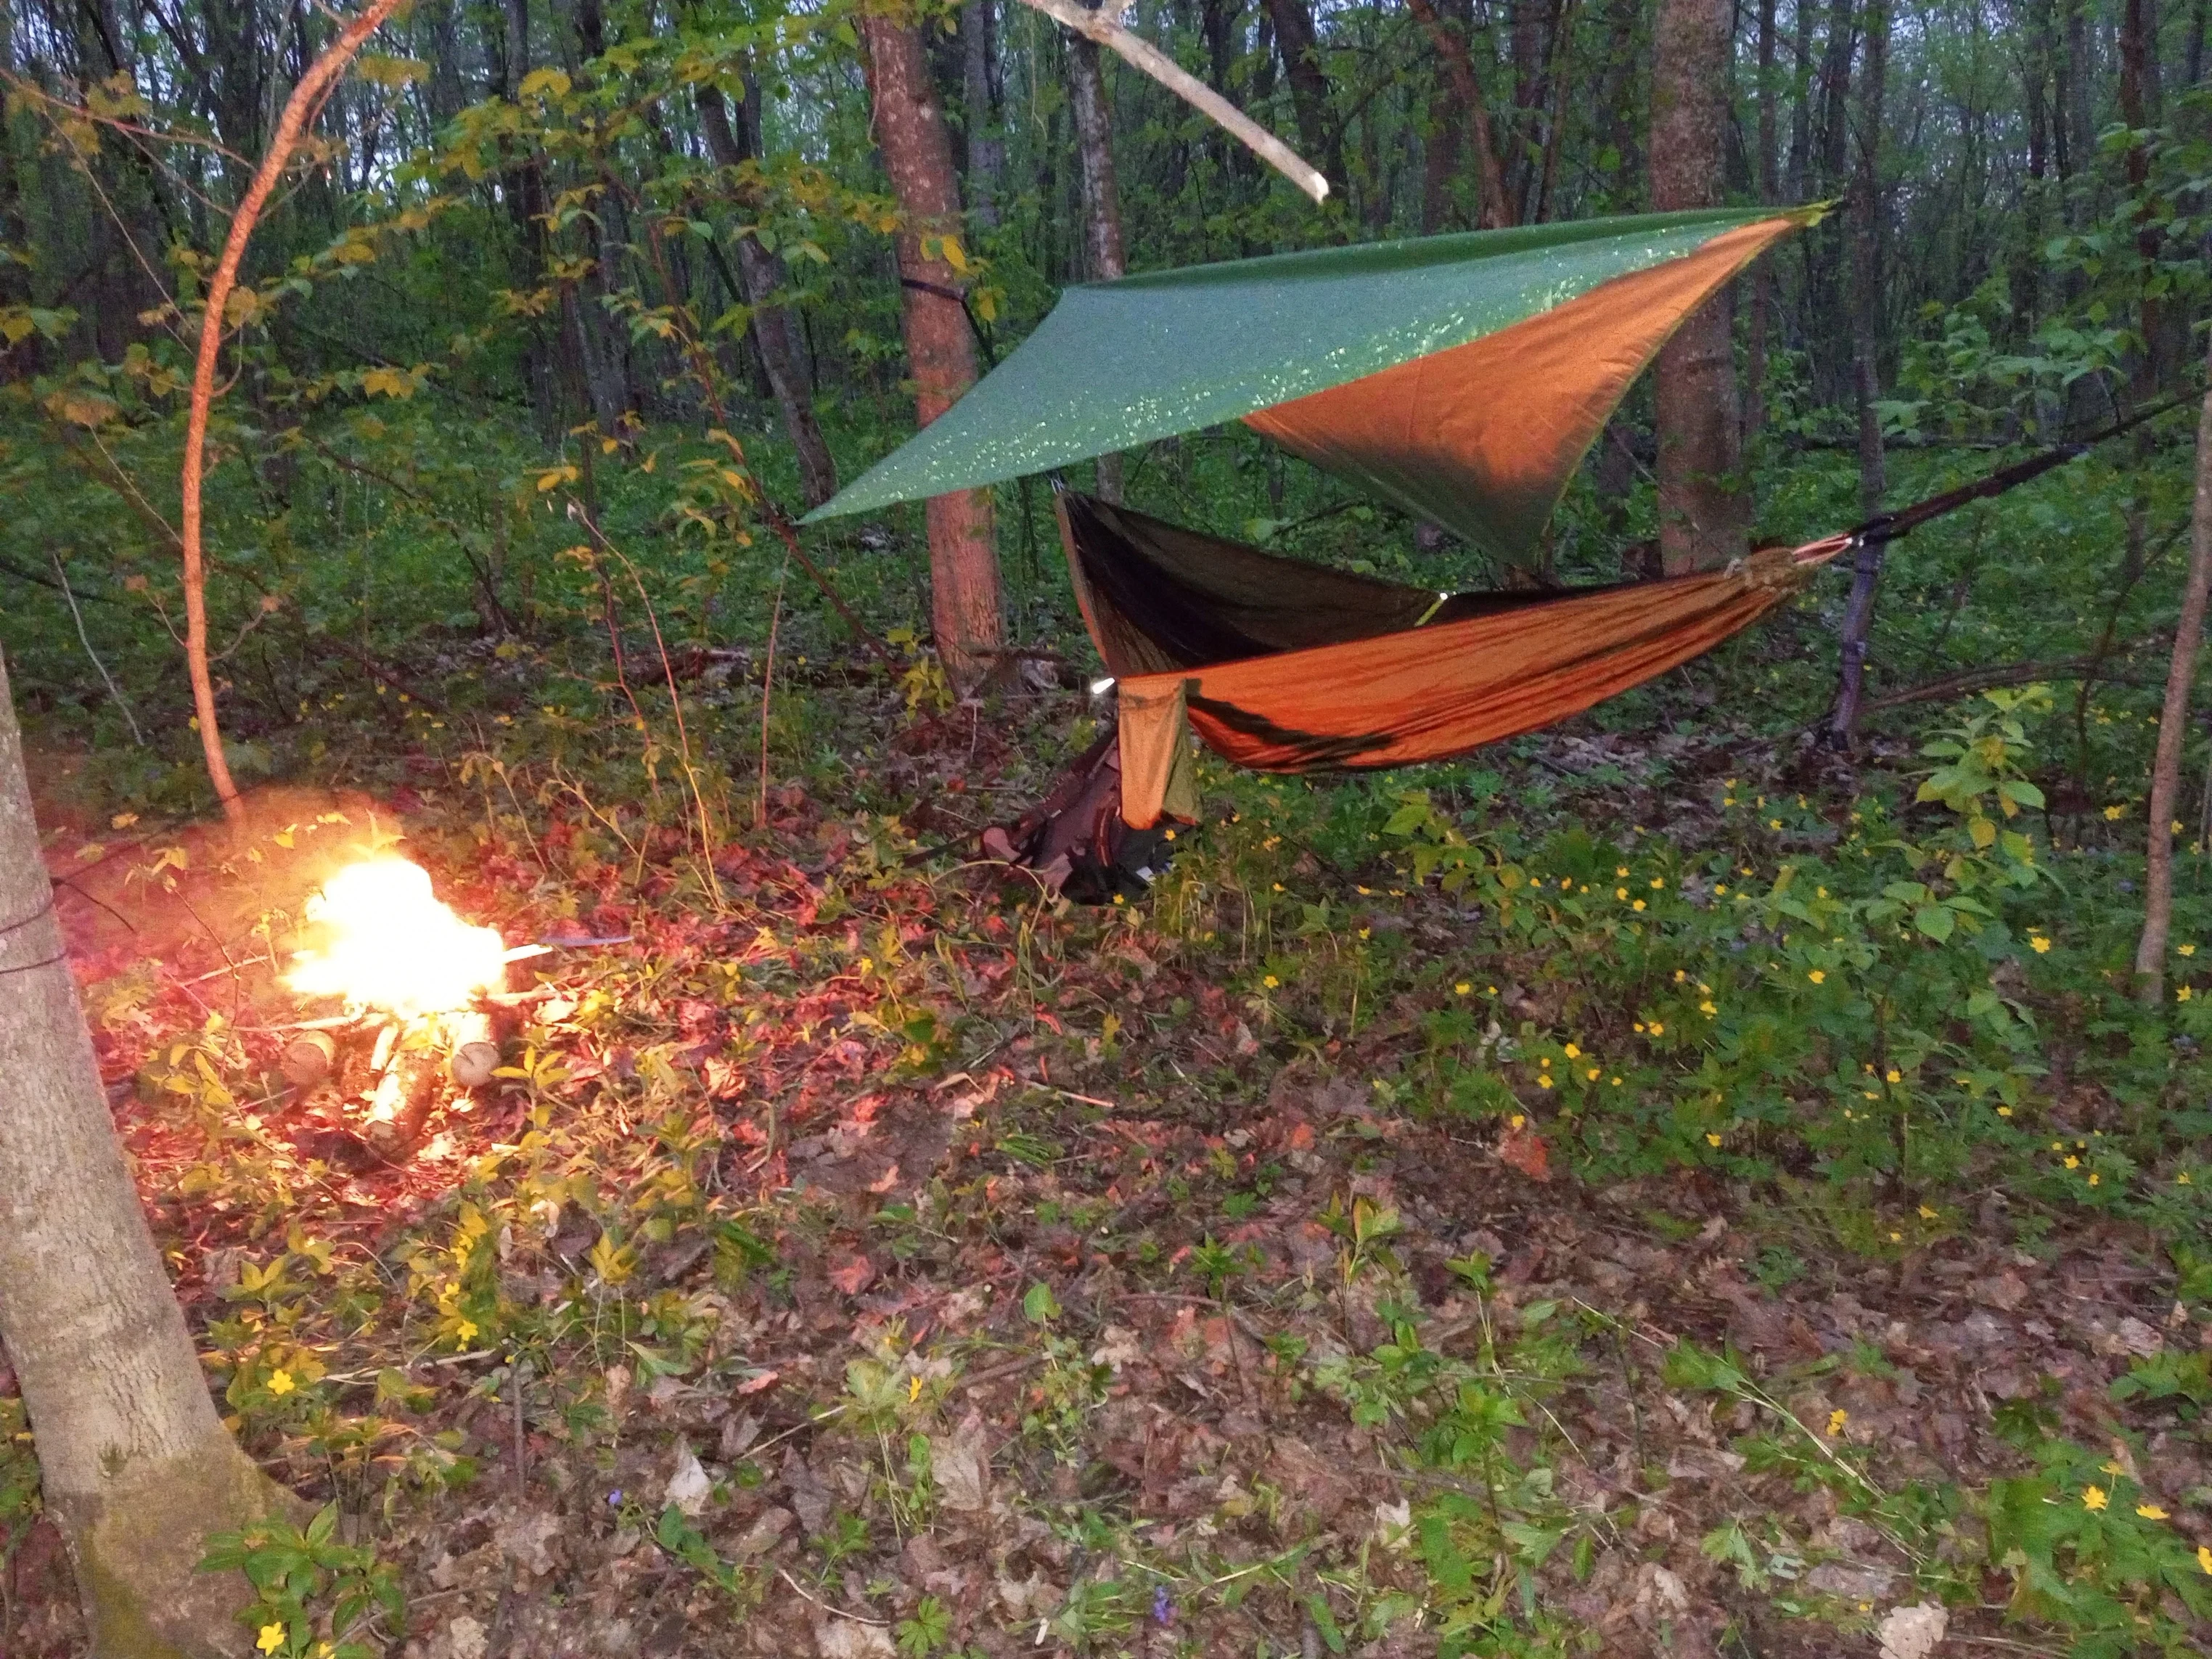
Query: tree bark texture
[(2173, 727), (986, 152), (136, 1467), (1770, 188), (1866, 231), (963, 561), (1705, 512), (1459, 65), (1301, 48), (776, 331), (1102, 201)]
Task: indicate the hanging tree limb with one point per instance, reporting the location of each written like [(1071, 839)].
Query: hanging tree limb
[(1104, 27), (300, 111)]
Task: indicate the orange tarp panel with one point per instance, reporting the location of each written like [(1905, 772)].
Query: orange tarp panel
[(1482, 437)]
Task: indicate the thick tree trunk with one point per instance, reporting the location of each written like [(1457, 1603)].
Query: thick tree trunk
[(1770, 185), (1459, 65), (1301, 48), (1866, 214), (135, 1468), (1705, 513), (776, 331), (986, 151), (1102, 201), (2173, 728), (963, 561)]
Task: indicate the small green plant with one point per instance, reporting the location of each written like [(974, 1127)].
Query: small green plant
[(312, 1595)]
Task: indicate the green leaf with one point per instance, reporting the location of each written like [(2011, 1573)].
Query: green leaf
[(1935, 921)]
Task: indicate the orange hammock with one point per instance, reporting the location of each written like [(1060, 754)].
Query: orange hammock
[(1471, 669)]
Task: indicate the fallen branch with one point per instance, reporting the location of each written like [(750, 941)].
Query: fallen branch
[(300, 110), (1104, 27)]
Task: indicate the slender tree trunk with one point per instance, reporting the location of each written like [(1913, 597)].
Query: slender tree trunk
[(986, 152), (2173, 728), (2139, 108), (1102, 201), (1866, 313), (1459, 65), (1301, 49), (1439, 163), (776, 331), (135, 1468), (1762, 277), (1705, 513), (964, 560)]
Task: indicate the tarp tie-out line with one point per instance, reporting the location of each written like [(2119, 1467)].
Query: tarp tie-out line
[(1889, 527), (8, 929), (974, 323)]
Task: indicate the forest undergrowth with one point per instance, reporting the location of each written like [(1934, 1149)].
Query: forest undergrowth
[(1656, 1187)]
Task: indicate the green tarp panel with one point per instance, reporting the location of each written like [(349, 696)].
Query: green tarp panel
[(1462, 376)]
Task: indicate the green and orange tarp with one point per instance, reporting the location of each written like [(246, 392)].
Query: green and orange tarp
[(1463, 378)]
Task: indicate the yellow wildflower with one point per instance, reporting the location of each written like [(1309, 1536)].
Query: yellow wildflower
[(1462, 988), (1928, 1214), (2095, 1177), (1817, 976), (2072, 1162), (1721, 891), (272, 1636), (1837, 1419), (1516, 1122), (1657, 881), (2204, 1557), (279, 1383), (2038, 944), (1591, 1075), (1621, 892), (2094, 1498), (1707, 1009), (2004, 1111), (465, 1331), (1619, 869), (1893, 1075), (1272, 982), (2114, 814), (1573, 1052), (1712, 1140), (2150, 1512), (1638, 905), (2185, 949), (1657, 1029), (1615, 1083), (2184, 993), (1544, 1081)]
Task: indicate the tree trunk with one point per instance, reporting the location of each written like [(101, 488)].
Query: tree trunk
[(1301, 49), (136, 1467), (963, 561), (2139, 109), (2173, 728), (1102, 201), (986, 152), (1769, 184), (1459, 65), (776, 331), (1866, 313), (1704, 514)]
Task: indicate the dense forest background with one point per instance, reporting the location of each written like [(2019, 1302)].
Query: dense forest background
[(1723, 1175), (548, 252)]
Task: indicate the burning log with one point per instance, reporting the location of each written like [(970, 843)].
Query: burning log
[(394, 954)]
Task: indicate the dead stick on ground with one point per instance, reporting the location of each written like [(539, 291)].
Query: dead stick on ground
[(300, 111), (805, 1594), (1103, 27)]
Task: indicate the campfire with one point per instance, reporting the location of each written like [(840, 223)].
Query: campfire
[(413, 980)]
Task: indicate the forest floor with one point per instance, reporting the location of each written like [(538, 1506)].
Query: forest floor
[(876, 1258)]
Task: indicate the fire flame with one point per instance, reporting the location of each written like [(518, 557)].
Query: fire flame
[(391, 945)]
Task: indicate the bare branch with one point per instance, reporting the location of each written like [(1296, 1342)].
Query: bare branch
[(300, 110), (1104, 27)]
